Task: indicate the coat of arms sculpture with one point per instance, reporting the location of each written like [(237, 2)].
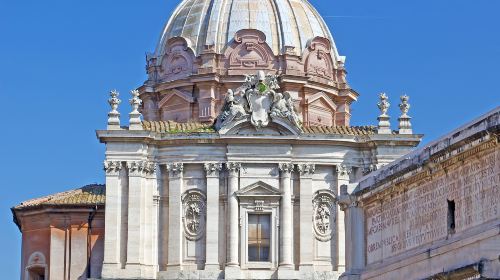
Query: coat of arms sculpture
[(258, 101)]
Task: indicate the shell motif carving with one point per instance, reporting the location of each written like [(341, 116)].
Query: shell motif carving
[(324, 214), (194, 214)]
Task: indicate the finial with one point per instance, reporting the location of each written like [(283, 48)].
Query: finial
[(404, 119), (384, 126), (135, 115), (114, 115)]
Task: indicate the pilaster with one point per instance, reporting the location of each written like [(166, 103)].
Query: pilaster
[(212, 232), (286, 226), (233, 215), (306, 172), (175, 178), (207, 102), (355, 229), (140, 199), (343, 178), (113, 217)]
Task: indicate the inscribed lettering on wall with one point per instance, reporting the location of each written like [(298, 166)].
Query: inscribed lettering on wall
[(465, 195)]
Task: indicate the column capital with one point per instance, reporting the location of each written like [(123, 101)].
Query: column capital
[(175, 169), (213, 168), (112, 167), (343, 171), (347, 201), (286, 168), (233, 167), (306, 169), (141, 167)]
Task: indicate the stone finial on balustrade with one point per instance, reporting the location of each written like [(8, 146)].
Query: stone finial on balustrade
[(135, 116), (404, 119), (384, 126), (114, 115)]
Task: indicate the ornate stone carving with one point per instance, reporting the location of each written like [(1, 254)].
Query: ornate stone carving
[(114, 115), (306, 169), (286, 167), (249, 51), (194, 214), (135, 115), (178, 59), (404, 119), (318, 59), (384, 126), (324, 214), (112, 167), (343, 170), (258, 101), (175, 169), (233, 167), (384, 104), (212, 168), (259, 205), (138, 168)]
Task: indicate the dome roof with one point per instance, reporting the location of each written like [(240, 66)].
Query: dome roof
[(286, 23)]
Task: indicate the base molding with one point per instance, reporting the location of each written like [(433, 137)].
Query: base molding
[(237, 273)]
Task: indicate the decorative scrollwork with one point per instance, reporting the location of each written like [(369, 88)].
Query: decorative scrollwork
[(324, 214), (194, 214)]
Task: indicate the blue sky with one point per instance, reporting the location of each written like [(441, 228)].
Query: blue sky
[(59, 59)]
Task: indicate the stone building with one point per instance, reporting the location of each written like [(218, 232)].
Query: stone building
[(234, 170), (433, 214)]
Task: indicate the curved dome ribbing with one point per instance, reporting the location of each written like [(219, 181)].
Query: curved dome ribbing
[(214, 23)]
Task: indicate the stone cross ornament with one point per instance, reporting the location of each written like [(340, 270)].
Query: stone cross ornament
[(258, 101)]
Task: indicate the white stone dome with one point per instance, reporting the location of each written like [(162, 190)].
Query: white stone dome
[(286, 23)]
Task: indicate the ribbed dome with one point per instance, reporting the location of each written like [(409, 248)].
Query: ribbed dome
[(286, 23)]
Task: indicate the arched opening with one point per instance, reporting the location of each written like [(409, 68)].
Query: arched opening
[(37, 267)]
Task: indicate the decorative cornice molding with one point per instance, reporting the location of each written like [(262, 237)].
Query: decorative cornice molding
[(213, 168), (175, 169), (306, 169), (112, 167)]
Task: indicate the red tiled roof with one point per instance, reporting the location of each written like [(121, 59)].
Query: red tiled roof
[(89, 195)]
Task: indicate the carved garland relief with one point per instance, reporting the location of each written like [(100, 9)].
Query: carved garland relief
[(194, 214), (324, 215)]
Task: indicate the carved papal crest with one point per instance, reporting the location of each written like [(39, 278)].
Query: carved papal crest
[(258, 101), (194, 214), (324, 214)]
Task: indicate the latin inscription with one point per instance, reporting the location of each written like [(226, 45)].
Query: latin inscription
[(421, 215)]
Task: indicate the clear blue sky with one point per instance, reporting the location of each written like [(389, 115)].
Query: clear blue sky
[(59, 59)]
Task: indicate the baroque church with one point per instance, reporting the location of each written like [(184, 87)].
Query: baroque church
[(239, 162)]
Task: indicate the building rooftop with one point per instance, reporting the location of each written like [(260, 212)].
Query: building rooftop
[(90, 195), (171, 127)]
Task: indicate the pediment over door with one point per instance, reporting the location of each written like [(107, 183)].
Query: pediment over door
[(259, 189)]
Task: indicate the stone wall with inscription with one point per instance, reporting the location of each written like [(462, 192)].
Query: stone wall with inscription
[(434, 213), (464, 195)]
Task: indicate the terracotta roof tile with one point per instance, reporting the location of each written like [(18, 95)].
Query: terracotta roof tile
[(193, 127), (87, 196)]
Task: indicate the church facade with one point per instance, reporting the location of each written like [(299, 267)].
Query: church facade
[(235, 164)]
